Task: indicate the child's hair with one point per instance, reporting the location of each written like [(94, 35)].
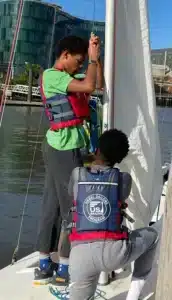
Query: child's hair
[(73, 44), (113, 146)]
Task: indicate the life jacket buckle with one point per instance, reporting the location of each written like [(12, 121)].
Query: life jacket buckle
[(124, 205), (73, 209), (51, 117), (48, 105), (71, 225)]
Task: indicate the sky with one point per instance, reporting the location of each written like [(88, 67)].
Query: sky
[(160, 17)]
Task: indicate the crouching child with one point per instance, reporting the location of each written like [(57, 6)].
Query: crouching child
[(99, 240)]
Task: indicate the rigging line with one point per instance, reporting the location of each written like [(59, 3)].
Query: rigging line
[(94, 14), (52, 38), (14, 258), (11, 60), (93, 28)]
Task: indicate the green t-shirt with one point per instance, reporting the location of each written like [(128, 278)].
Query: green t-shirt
[(67, 138)]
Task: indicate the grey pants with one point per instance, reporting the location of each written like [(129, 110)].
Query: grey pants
[(56, 202), (88, 260)]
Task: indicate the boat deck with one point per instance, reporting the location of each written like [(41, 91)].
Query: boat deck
[(16, 280), (17, 283)]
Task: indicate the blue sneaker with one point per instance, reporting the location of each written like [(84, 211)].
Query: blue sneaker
[(62, 275), (44, 274)]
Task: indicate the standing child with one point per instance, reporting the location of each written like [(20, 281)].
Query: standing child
[(66, 105), (99, 241)]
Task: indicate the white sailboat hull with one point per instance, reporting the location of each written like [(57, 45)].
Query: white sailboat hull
[(16, 282)]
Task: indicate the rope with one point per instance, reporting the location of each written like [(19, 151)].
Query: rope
[(94, 15), (64, 294), (97, 98), (14, 257), (98, 116), (52, 38), (11, 60)]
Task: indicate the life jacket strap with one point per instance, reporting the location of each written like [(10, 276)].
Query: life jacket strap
[(98, 235), (126, 216), (71, 225), (73, 209), (55, 102)]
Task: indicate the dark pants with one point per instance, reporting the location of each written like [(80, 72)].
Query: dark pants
[(56, 201)]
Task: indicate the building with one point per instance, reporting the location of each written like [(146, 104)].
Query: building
[(162, 56), (34, 36), (162, 69), (42, 25)]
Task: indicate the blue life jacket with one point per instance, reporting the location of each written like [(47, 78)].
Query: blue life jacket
[(98, 209)]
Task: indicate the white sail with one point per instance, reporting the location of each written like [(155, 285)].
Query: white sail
[(135, 108)]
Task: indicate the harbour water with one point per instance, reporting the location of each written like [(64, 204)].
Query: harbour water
[(19, 136)]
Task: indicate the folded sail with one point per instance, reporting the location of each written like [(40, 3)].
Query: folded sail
[(135, 107)]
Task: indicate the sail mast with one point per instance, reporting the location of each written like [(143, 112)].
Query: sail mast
[(109, 75), (109, 65)]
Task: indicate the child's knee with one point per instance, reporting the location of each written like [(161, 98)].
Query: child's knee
[(155, 235), (82, 290)]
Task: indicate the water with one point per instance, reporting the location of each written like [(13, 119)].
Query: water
[(17, 141)]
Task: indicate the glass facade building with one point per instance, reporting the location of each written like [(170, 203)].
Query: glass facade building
[(42, 26), (34, 36)]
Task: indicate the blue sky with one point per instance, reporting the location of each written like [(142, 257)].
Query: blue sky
[(160, 15)]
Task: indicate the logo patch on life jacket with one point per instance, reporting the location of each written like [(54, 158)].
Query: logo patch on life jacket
[(96, 208)]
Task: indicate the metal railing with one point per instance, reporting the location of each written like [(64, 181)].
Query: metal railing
[(23, 89)]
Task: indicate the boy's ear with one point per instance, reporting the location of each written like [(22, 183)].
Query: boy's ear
[(65, 54)]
